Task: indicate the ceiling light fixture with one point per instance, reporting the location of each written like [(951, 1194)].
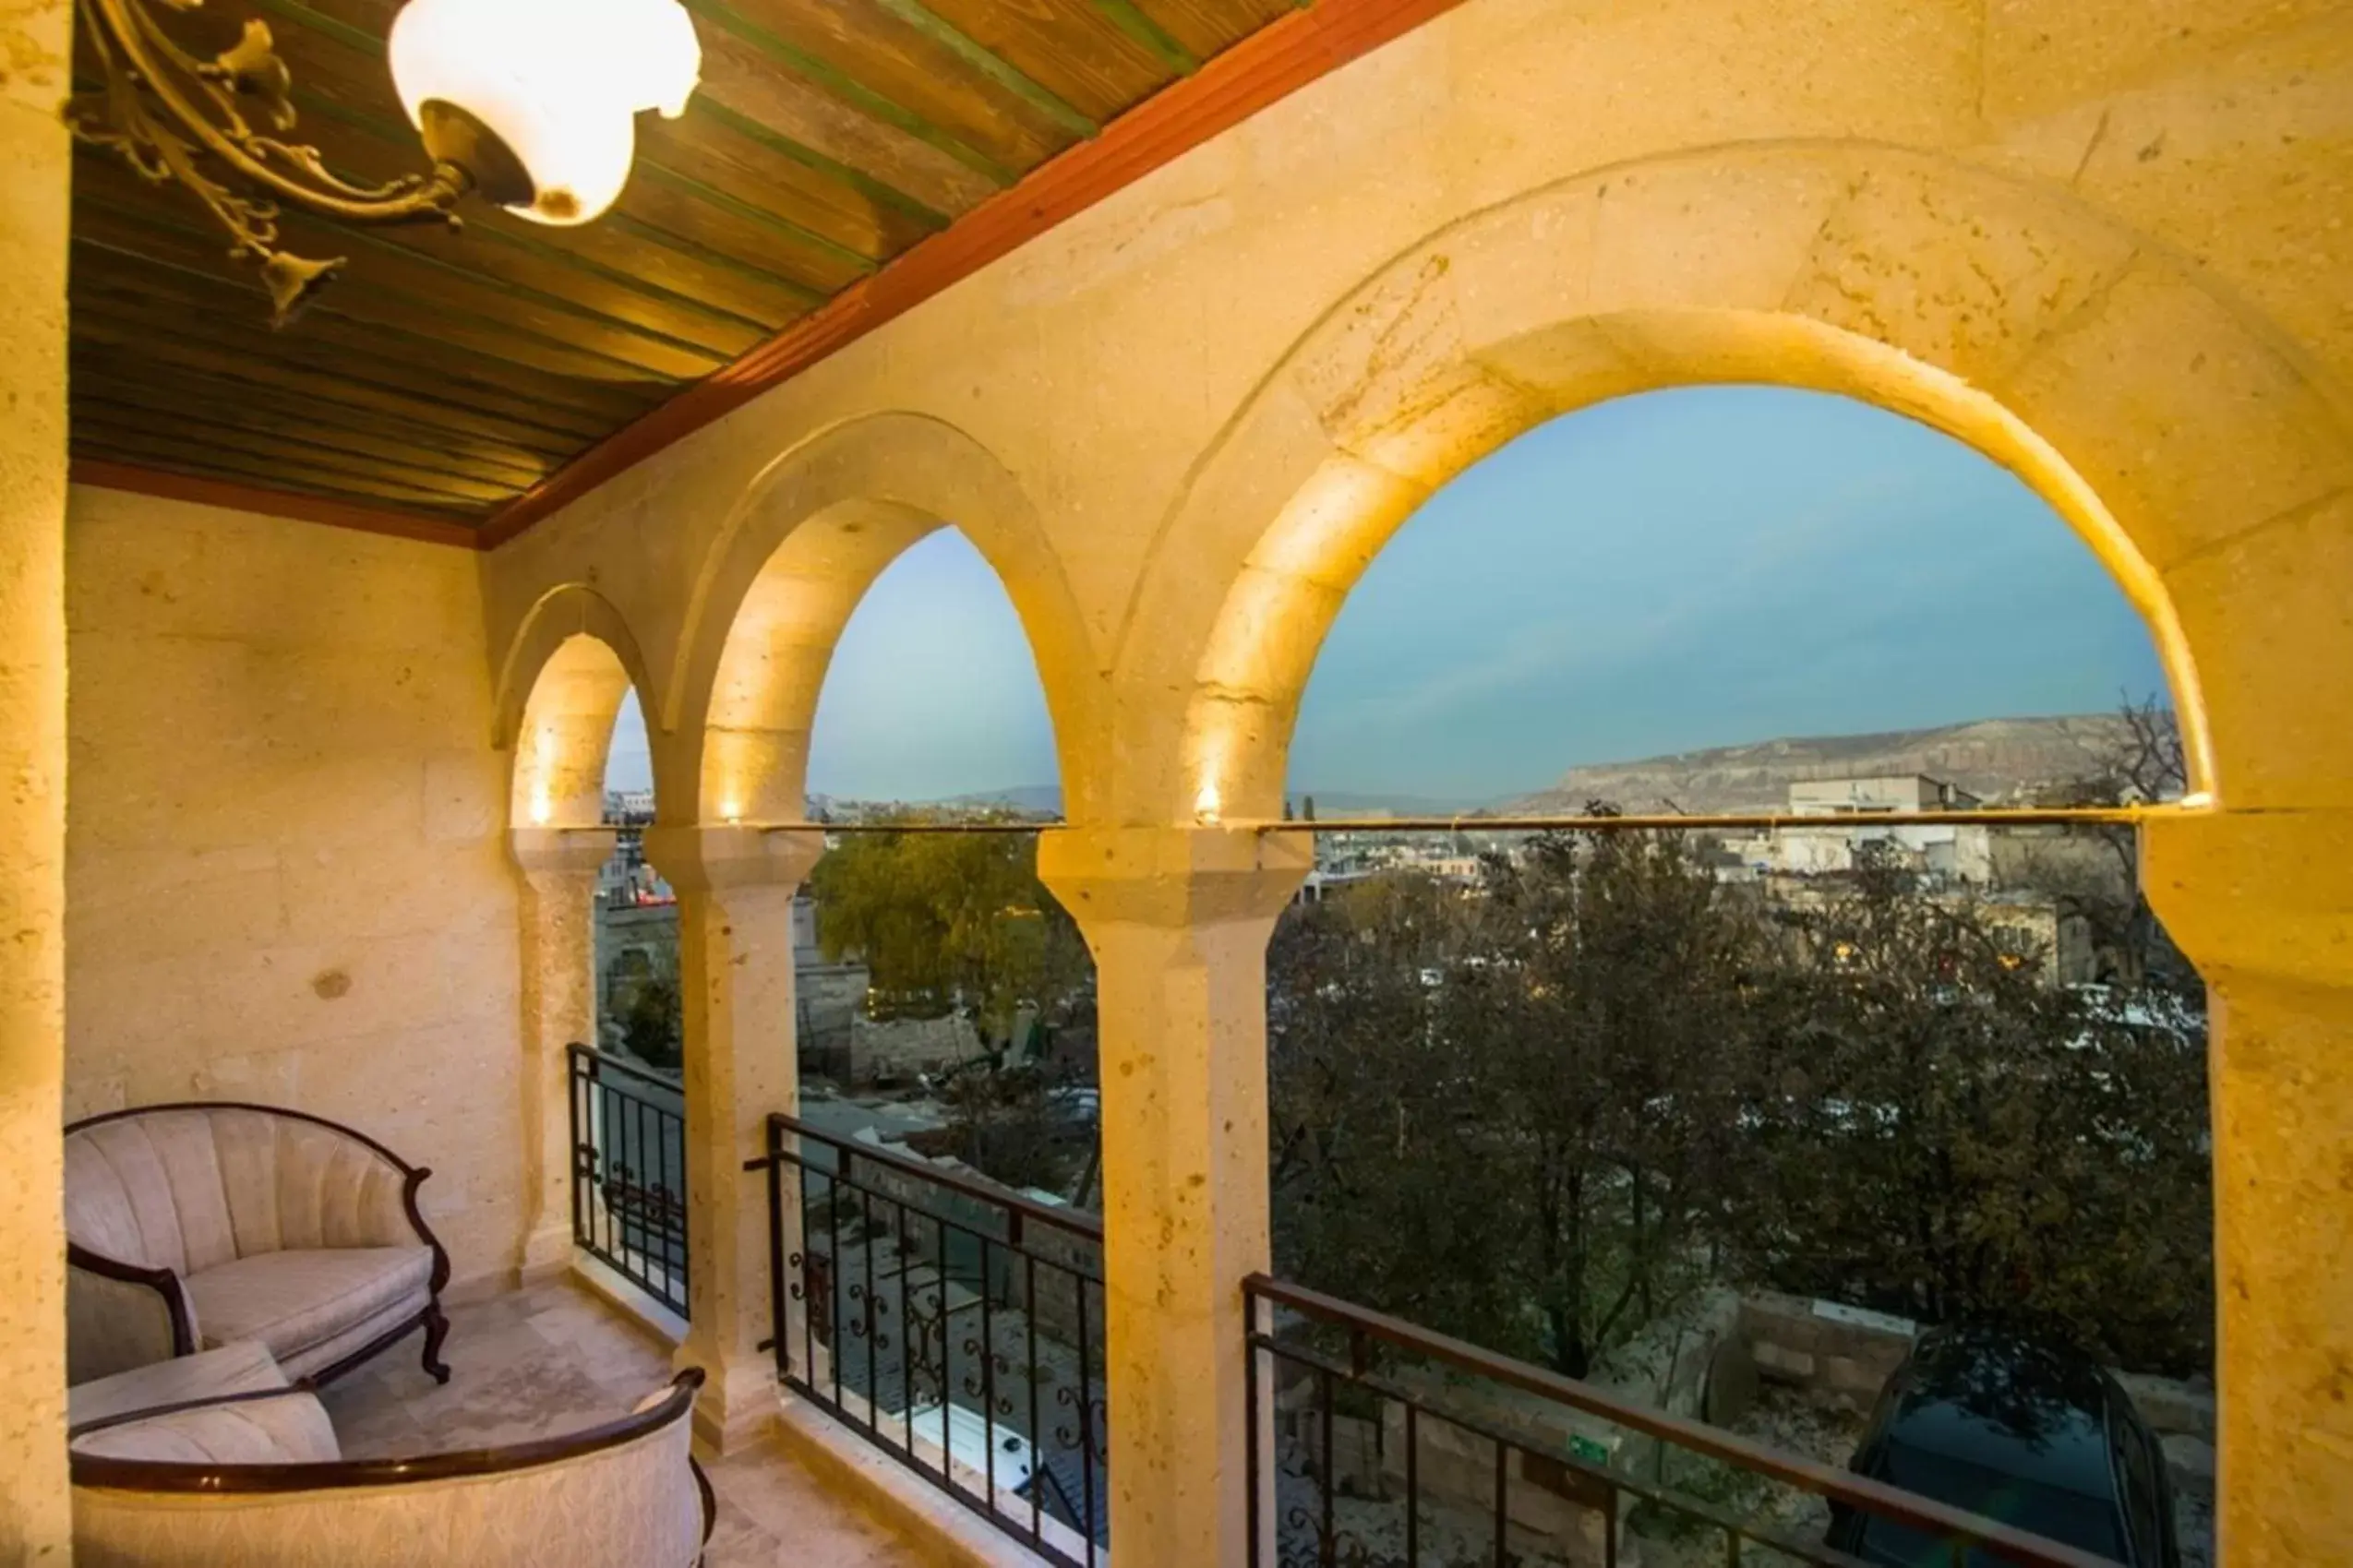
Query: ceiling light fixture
[(531, 103)]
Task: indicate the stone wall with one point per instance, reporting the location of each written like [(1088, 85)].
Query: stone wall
[(286, 877), (900, 1048), (35, 1522)]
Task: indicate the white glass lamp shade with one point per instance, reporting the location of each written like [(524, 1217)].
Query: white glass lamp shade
[(560, 82)]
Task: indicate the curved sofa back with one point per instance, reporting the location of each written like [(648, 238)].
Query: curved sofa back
[(623, 1495), (189, 1187)]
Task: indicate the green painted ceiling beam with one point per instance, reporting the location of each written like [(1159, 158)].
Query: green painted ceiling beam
[(989, 64), (1149, 35)]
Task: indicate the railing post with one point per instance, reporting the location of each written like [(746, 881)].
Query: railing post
[(559, 915), (1178, 919), (735, 888), (1266, 1521)]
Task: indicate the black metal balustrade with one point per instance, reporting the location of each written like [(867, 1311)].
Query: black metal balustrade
[(628, 1173), (1397, 1448), (958, 1326)]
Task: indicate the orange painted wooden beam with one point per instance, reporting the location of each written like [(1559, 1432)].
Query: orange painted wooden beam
[(1269, 65), (274, 503)]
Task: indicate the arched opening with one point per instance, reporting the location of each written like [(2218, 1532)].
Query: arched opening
[(1731, 1119), (603, 1131), (640, 1004), (563, 735), (882, 685)]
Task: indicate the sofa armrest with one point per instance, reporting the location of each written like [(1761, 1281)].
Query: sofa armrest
[(623, 1495), (395, 1218), (122, 1315), (271, 1425)]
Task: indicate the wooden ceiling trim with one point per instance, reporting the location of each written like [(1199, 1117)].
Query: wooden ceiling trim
[(555, 367), (921, 75), (189, 456), (260, 453), (142, 218), (750, 241), (1149, 35), (624, 286), (1269, 65), (710, 150), (630, 224), (879, 192), (141, 480), (849, 90), (992, 66), (119, 351), (172, 404), (399, 262), (859, 262), (335, 348), (744, 80), (164, 397)]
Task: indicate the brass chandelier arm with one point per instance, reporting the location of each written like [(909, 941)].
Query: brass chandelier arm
[(175, 116)]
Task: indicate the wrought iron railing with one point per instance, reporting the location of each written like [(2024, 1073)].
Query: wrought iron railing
[(628, 1173), (958, 1325), (1392, 1447)]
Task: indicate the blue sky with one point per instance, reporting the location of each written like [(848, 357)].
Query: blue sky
[(1685, 568)]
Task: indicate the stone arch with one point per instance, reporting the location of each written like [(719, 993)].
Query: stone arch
[(810, 536), (560, 688), (2170, 431)]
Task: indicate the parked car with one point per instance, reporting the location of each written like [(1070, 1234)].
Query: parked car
[(2032, 1436)]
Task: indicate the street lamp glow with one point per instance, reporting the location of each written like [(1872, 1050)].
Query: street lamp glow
[(537, 100)]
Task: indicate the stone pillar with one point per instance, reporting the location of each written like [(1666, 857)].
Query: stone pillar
[(735, 888), (1178, 919), (35, 1516), (559, 907), (2263, 903)]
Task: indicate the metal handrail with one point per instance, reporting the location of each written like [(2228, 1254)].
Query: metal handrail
[(1839, 1486), (580, 1052), (1074, 1221)]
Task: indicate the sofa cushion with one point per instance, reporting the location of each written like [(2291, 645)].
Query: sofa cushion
[(244, 1368), (292, 1301)]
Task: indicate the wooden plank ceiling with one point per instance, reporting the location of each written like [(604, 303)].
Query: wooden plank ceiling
[(444, 375)]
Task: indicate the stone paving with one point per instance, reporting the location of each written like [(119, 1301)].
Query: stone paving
[(556, 1359)]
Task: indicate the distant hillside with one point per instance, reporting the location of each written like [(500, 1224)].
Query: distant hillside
[(1047, 800), (1995, 759), (1038, 800)]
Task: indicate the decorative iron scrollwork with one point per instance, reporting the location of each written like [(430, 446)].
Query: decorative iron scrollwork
[(176, 116)]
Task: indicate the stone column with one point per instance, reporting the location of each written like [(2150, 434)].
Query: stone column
[(559, 906), (1178, 919), (2263, 903), (735, 888), (35, 1510)]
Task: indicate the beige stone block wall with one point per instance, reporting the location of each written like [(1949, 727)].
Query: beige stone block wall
[(35, 1523), (287, 878)]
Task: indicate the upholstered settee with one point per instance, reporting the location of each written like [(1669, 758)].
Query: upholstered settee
[(190, 1227), (255, 1476)]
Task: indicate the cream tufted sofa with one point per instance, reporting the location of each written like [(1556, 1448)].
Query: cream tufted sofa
[(248, 1472), (193, 1227)]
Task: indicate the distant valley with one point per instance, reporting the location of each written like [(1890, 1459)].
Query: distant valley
[(1995, 759)]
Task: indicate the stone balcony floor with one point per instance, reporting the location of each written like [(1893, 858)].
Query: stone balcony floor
[(556, 1357)]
